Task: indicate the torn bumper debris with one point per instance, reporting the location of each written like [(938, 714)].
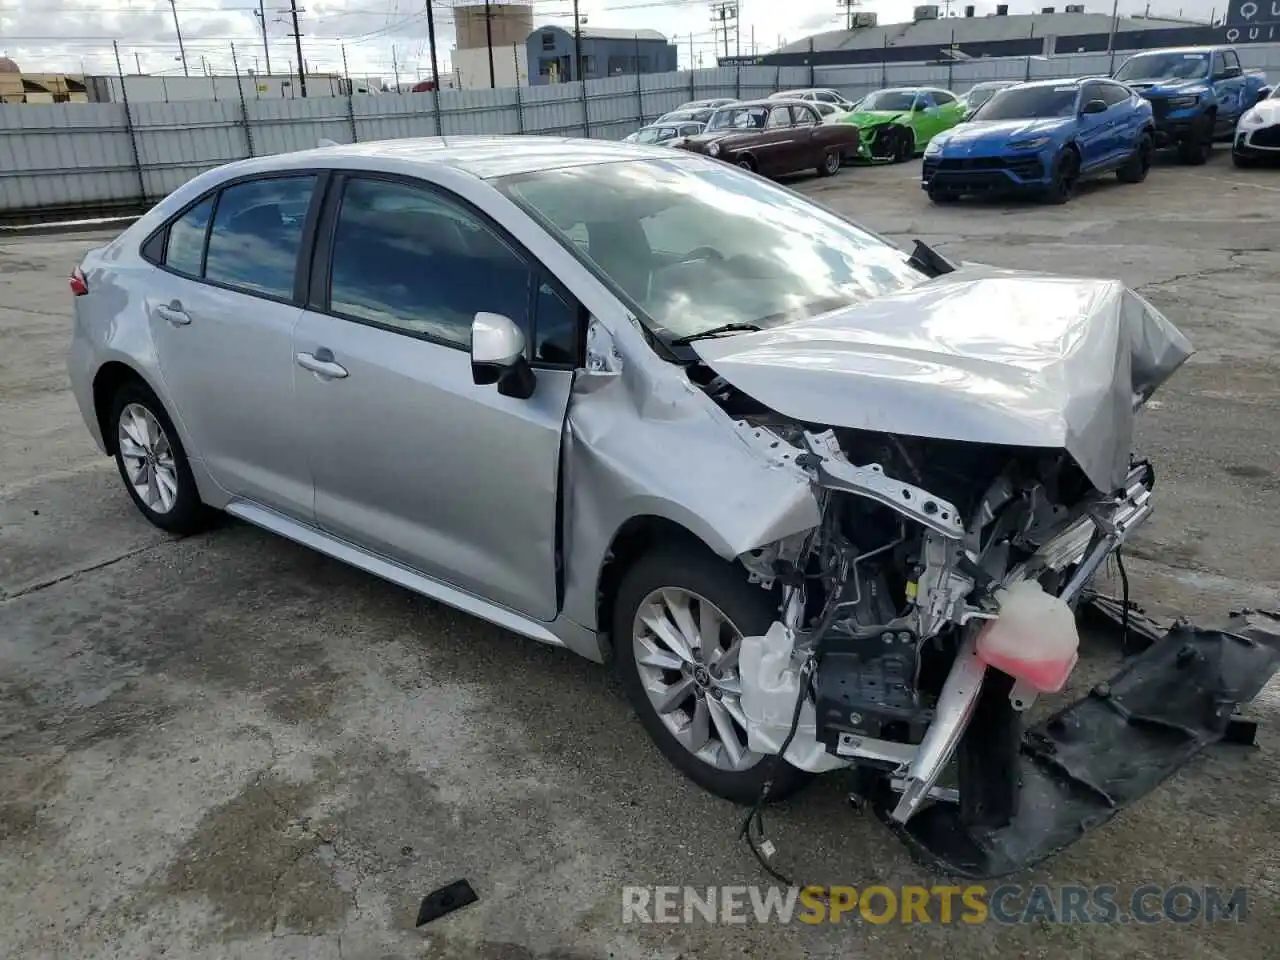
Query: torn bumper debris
[(1091, 760)]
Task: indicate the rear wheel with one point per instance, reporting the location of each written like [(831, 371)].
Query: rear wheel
[(679, 620), (153, 464), (1138, 165)]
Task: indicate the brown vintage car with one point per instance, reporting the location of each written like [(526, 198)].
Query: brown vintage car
[(774, 137)]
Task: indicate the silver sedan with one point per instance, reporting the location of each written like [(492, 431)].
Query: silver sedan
[(637, 404)]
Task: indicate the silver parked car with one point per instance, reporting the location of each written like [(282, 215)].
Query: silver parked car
[(638, 403)]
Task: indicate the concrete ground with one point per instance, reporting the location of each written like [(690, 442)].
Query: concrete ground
[(227, 746)]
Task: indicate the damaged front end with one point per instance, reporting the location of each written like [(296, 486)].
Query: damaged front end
[(929, 609)]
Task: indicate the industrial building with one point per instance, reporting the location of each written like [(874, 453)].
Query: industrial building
[(930, 36), (19, 87), (605, 53), (491, 50)]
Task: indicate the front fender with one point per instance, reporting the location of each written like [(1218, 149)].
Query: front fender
[(647, 442)]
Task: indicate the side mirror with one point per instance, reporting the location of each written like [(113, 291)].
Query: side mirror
[(1095, 106), (497, 356)]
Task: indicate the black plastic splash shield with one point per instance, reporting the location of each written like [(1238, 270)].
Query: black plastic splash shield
[(1105, 751)]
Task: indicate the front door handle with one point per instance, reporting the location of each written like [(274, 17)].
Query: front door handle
[(174, 313), (322, 364)]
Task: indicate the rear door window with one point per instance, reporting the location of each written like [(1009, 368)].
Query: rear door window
[(184, 251), (257, 233)]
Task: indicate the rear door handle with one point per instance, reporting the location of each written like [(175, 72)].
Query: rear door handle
[(173, 313), (322, 364)]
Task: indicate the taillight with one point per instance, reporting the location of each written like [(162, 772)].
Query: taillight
[(79, 286)]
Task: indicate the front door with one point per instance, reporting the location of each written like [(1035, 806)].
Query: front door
[(777, 150), (410, 458), (222, 316), (1096, 131)]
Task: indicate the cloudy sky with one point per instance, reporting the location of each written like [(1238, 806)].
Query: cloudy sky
[(74, 36)]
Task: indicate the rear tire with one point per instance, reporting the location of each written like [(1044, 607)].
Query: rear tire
[(1138, 165), (693, 570), (153, 464)]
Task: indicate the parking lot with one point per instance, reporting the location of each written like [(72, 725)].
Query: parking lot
[(229, 746)]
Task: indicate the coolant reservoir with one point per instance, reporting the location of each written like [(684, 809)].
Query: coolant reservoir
[(1034, 639)]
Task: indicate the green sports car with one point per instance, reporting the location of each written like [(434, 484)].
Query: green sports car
[(898, 123)]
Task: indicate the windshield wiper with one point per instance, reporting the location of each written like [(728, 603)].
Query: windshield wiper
[(715, 332)]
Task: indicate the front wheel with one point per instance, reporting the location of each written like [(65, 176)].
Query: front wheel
[(906, 146), (1066, 177), (1138, 166), (1198, 147), (1241, 161), (679, 619), (938, 195)]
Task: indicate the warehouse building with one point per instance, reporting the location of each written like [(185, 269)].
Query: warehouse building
[(605, 53), (930, 36)]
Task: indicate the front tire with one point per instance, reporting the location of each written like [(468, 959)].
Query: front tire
[(679, 617), (830, 165), (1138, 165), (1198, 148), (1066, 177), (1241, 161), (906, 146), (153, 464), (938, 195)]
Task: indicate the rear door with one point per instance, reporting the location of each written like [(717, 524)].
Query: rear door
[(222, 310), (411, 459)]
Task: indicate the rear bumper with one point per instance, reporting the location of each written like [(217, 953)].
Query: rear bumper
[(80, 370)]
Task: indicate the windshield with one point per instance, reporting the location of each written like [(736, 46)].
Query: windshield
[(738, 118), (1027, 103), (888, 100), (1165, 66), (654, 134), (695, 245), (981, 94)]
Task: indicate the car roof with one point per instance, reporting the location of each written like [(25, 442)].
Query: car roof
[(483, 157), (771, 101), (1060, 82)]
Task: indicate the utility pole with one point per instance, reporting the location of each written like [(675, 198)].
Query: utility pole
[(488, 42), (577, 45), (297, 42), (849, 7), (173, 4), (724, 15), (431, 40), (1111, 38), (137, 61), (262, 22)]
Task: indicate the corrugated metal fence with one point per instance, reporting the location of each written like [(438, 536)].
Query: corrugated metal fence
[(89, 158)]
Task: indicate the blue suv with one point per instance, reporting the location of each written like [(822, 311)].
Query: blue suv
[(1043, 138)]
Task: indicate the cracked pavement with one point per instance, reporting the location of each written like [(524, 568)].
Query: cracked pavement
[(227, 746)]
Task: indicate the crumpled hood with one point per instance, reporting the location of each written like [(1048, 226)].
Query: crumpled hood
[(869, 118), (977, 136), (982, 355), (1268, 109)]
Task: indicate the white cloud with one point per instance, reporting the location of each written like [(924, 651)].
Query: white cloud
[(75, 35)]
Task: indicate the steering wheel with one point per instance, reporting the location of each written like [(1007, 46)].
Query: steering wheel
[(702, 253)]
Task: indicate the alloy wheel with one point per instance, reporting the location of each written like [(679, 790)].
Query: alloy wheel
[(686, 652), (148, 458), (1068, 173)]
